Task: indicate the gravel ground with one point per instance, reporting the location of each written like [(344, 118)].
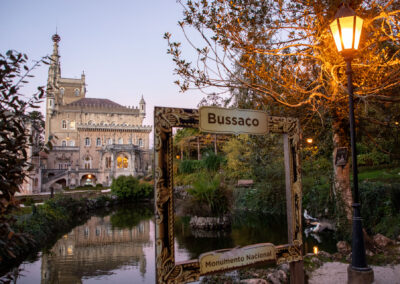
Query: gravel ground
[(336, 272)]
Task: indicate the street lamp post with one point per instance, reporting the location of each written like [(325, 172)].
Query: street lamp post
[(346, 31)]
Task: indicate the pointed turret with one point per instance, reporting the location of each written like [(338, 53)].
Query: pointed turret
[(83, 86), (54, 69), (142, 107), (52, 84)]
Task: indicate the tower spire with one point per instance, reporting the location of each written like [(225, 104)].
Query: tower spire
[(54, 69)]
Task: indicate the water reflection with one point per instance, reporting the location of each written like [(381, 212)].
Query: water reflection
[(96, 248), (116, 248), (247, 228), (119, 247)]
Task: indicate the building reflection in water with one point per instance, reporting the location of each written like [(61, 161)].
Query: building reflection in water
[(95, 249)]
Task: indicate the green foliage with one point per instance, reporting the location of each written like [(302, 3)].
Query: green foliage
[(212, 162), (237, 155), (373, 158), (380, 207), (209, 195), (259, 158), (35, 229), (263, 197), (29, 201), (385, 175), (189, 166), (14, 141), (128, 188), (317, 179)]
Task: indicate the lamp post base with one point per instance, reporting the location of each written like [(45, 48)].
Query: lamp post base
[(364, 276)]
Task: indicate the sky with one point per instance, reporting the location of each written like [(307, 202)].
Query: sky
[(117, 43)]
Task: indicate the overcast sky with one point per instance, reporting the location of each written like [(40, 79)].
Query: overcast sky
[(118, 44)]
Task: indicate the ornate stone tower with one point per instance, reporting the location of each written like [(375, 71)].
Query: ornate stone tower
[(60, 91), (142, 107), (52, 85)]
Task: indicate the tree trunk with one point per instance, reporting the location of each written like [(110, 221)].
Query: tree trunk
[(181, 152), (342, 187), (198, 149)]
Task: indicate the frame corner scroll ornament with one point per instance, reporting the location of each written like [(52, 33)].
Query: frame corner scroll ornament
[(167, 270)]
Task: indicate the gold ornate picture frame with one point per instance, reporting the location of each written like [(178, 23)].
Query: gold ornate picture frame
[(169, 271)]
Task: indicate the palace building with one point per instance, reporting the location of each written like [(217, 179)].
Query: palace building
[(94, 140)]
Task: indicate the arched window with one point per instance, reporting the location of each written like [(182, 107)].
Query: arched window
[(122, 162), (90, 122), (76, 92), (64, 143), (72, 143), (64, 124), (120, 141), (72, 125), (109, 141), (35, 182), (98, 142), (140, 142), (62, 91), (87, 141), (87, 163), (108, 162)]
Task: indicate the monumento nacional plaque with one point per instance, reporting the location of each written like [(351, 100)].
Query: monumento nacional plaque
[(237, 257), (219, 120)]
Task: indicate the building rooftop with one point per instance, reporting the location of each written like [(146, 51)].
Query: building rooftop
[(95, 102)]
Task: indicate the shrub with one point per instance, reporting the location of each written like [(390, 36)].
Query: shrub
[(380, 208), (189, 166), (373, 158), (128, 188), (212, 162), (29, 201), (209, 196)]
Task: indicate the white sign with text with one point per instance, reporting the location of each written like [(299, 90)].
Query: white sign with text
[(235, 121)]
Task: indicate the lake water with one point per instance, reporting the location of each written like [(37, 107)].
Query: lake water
[(119, 247)]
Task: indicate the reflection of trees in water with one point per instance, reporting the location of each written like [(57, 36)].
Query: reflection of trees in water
[(196, 243), (247, 228), (97, 248), (128, 217), (250, 228)]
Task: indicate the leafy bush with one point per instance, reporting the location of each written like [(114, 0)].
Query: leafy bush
[(84, 187), (380, 208), (373, 158), (128, 188), (189, 166), (264, 197), (212, 162), (29, 201), (209, 196)]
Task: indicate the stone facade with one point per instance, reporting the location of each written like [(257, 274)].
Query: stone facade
[(94, 140)]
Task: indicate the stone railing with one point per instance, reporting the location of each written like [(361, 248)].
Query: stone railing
[(65, 148)]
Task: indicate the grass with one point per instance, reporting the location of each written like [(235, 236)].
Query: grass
[(384, 175)]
